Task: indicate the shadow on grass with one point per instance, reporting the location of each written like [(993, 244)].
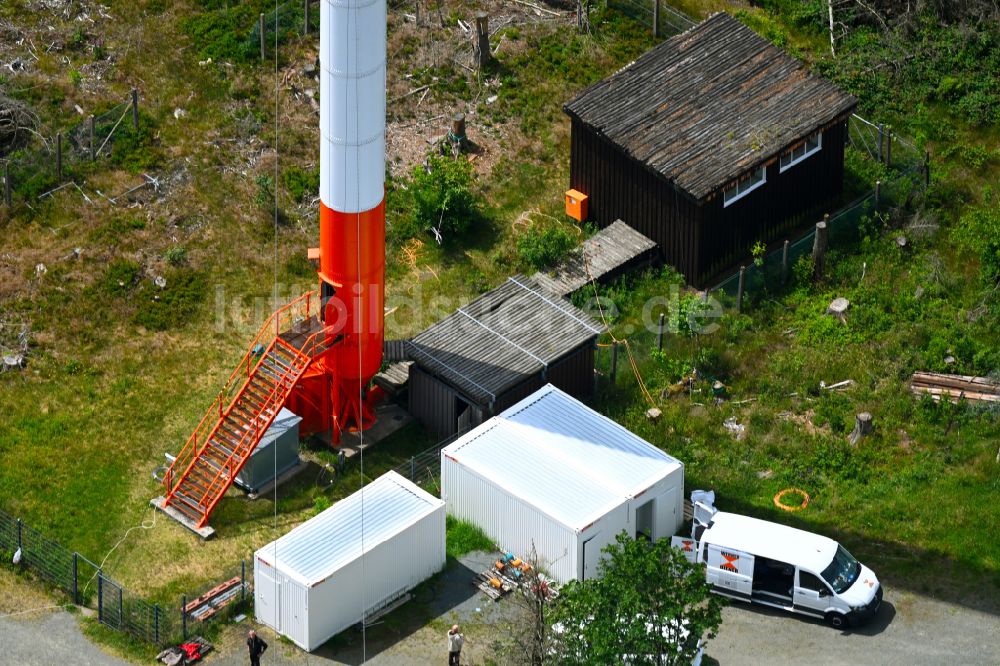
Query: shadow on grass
[(446, 598)]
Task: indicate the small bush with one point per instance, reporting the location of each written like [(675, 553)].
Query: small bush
[(443, 196), (120, 277), (300, 182), (176, 256), (171, 307), (135, 150), (541, 247)]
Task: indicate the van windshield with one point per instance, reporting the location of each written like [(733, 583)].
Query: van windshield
[(843, 570)]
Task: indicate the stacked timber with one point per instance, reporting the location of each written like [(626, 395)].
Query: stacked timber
[(955, 387)]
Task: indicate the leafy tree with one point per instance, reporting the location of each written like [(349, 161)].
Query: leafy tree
[(648, 605)]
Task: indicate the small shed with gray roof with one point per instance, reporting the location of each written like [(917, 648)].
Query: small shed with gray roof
[(491, 353), (708, 143), (553, 476)]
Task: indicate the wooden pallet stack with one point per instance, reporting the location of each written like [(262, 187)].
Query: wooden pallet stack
[(955, 387)]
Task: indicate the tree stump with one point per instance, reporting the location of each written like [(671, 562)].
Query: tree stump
[(862, 427), (838, 308)]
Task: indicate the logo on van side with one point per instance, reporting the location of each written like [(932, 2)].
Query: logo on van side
[(730, 563)]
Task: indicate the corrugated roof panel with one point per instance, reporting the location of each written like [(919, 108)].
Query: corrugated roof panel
[(502, 338), (317, 548), (558, 455)]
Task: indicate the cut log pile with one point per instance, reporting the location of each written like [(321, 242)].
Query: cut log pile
[(955, 387)]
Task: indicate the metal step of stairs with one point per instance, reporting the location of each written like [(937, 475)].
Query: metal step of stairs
[(236, 433)]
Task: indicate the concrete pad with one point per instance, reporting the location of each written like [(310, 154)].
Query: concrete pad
[(389, 417), (206, 532)]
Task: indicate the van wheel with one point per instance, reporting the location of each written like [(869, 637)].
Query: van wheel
[(836, 620)]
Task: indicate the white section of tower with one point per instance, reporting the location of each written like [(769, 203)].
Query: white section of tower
[(352, 104)]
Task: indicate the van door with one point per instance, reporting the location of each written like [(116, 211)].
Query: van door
[(687, 546), (812, 595), (730, 571)]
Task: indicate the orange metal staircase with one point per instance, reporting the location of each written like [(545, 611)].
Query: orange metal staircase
[(256, 391)]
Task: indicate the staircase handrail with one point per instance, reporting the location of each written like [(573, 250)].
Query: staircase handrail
[(269, 331), (229, 470)]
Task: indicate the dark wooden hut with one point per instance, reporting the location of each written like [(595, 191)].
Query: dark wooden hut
[(498, 349), (708, 143)]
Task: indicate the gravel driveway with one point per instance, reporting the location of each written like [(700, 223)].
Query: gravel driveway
[(910, 630)]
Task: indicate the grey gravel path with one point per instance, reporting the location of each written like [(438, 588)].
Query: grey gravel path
[(49, 639), (910, 630)]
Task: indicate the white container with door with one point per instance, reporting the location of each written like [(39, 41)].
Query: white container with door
[(553, 475), (351, 560)]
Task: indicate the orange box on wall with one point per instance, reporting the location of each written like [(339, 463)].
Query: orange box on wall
[(576, 205)]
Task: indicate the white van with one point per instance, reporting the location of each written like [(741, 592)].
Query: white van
[(760, 562)]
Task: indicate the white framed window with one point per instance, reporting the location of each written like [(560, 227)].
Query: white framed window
[(811, 145), (757, 178)]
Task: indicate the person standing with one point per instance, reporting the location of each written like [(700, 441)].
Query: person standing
[(256, 647), (455, 642)]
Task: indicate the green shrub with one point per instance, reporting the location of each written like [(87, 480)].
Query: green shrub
[(176, 256), (462, 537), (135, 150), (301, 182), (443, 196), (120, 277), (978, 231), (170, 307), (542, 246)]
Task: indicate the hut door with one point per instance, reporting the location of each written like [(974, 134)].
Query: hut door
[(464, 412), (267, 601)]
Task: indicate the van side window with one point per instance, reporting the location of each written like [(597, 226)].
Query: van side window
[(810, 582), (704, 553)]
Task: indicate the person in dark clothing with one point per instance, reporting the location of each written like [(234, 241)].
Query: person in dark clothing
[(256, 647)]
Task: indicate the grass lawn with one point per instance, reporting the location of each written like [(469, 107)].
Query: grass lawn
[(120, 373)]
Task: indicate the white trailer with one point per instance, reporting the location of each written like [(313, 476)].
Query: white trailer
[(554, 475), (353, 559)]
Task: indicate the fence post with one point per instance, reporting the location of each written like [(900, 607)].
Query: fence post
[(881, 134), (888, 147), (59, 156), (878, 194), (135, 108), (6, 183), (100, 596), (156, 623), (739, 289), (659, 333), (305, 17), (261, 26), (614, 360), (243, 580), (656, 18), (20, 543), (90, 124), (76, 585), (819, 248), (927, 170), (413, 467), (184, 602), (784, 262)]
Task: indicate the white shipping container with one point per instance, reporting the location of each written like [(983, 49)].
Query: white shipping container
[(553, 475), (352, 559)]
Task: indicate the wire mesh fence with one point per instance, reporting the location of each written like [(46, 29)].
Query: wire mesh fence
[(286, 23), (670, 21), (117, 607), (63, 157)]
